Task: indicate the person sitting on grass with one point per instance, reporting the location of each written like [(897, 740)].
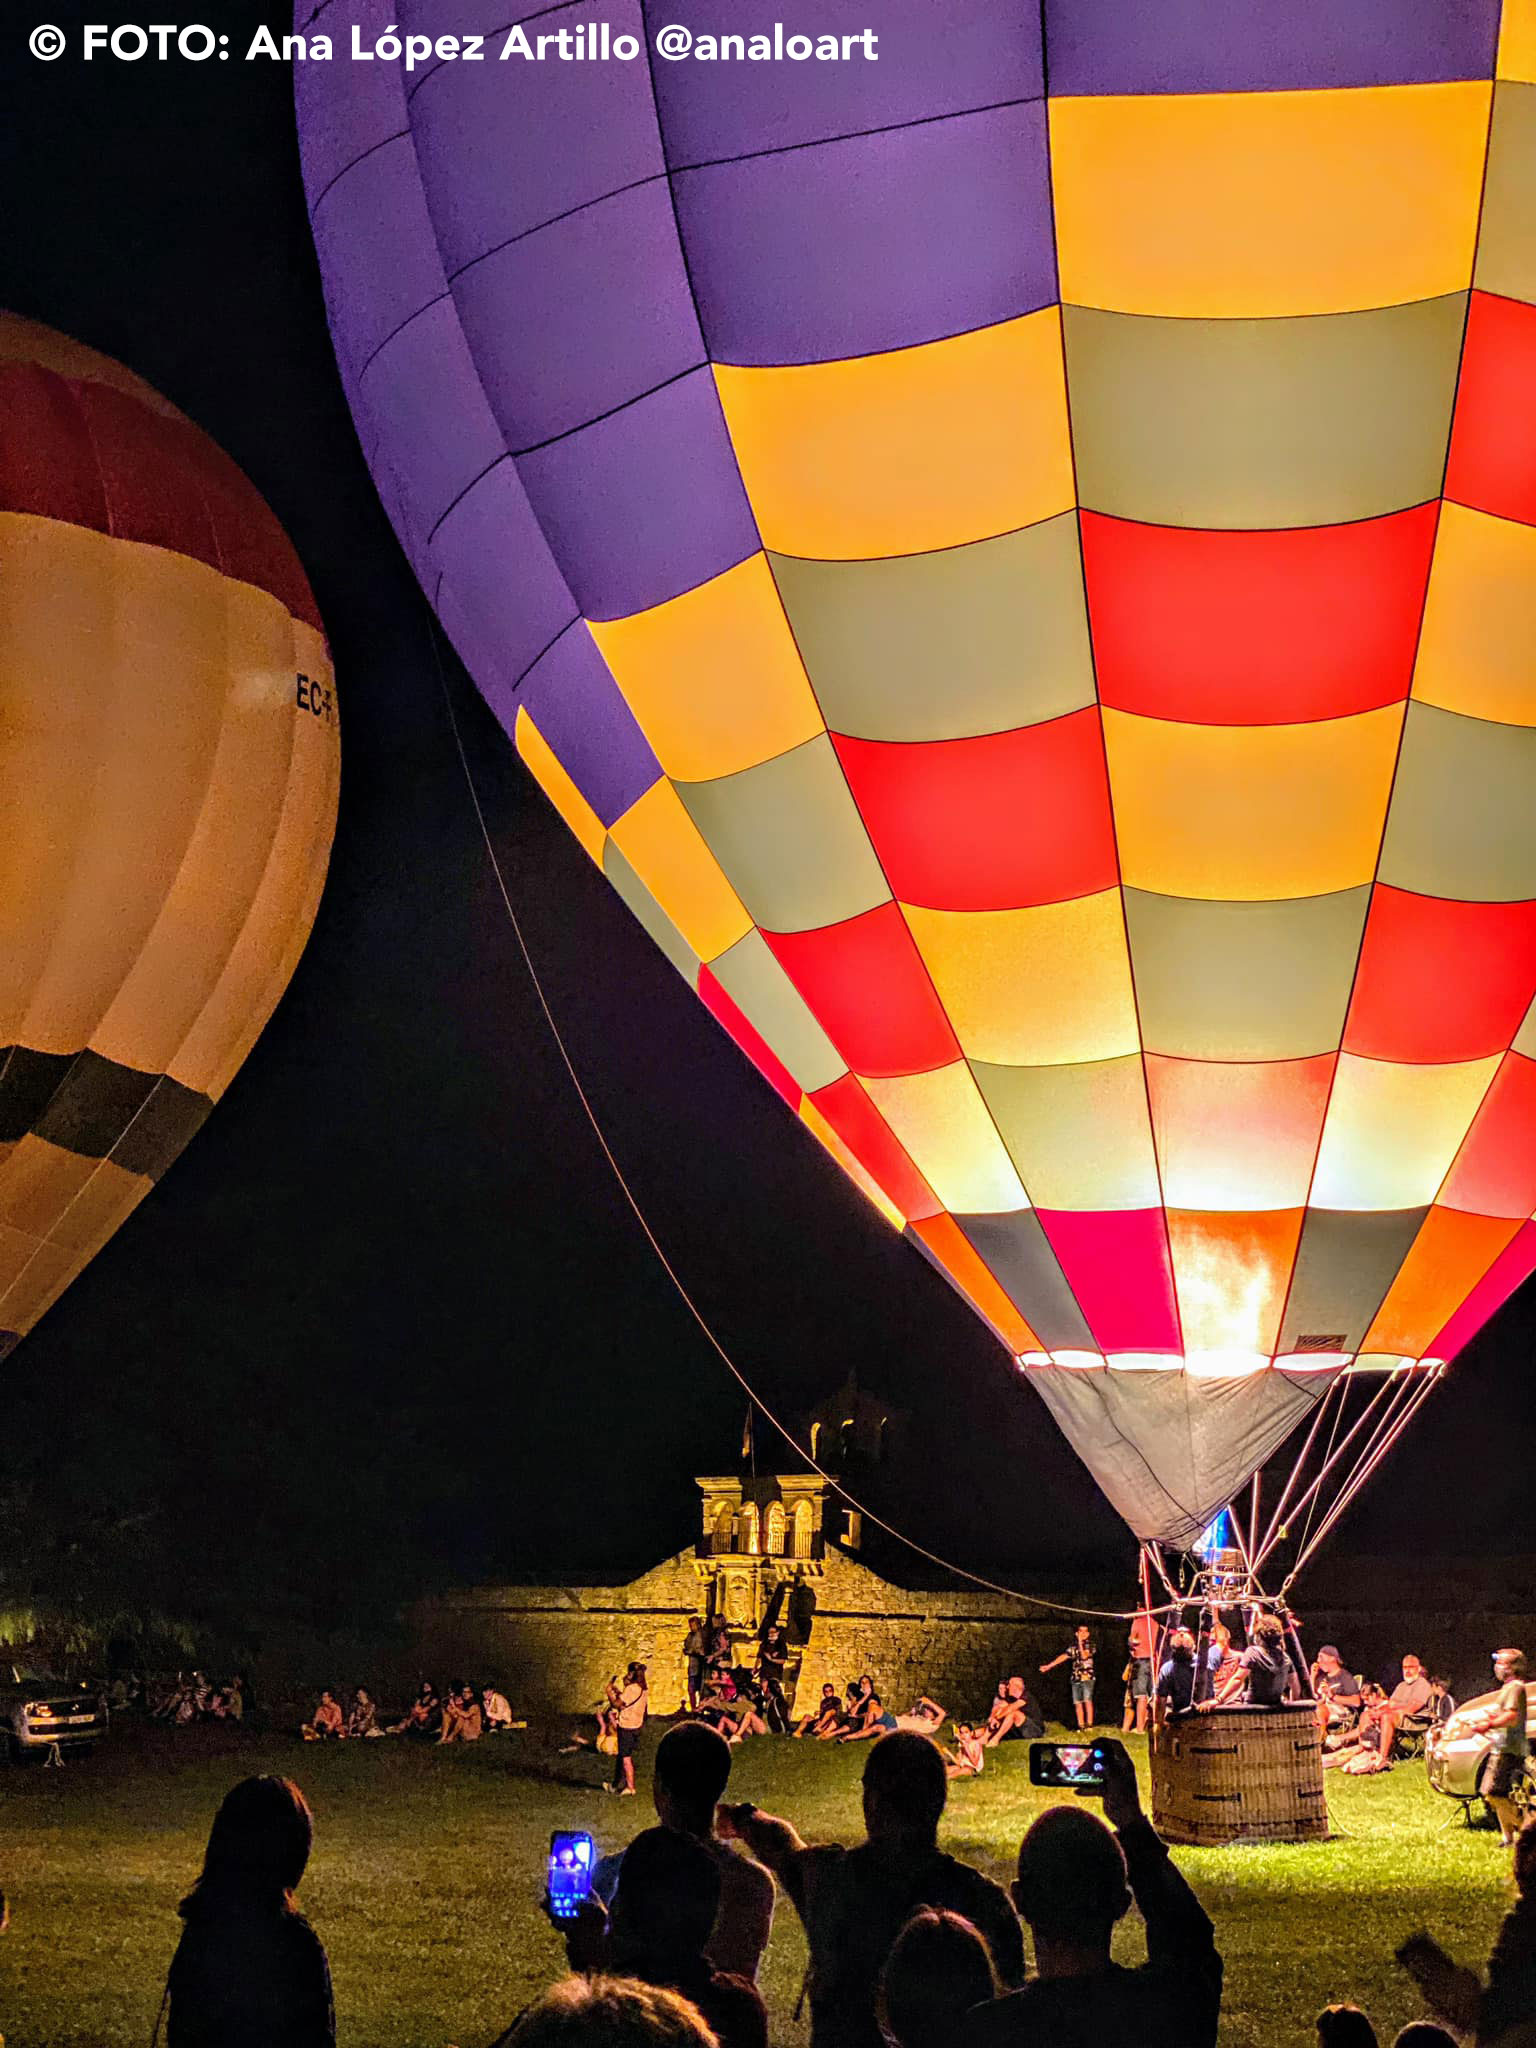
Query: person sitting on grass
[(1076, 1881), (692, 1769), (1079, 1654), (969, 1755), (423, 1718), (925, 1717), (1365, 1749), (664, 1910), (327, 1723), (1013, 1714), (607, 2012), (462, 1719), (828, 1710), (362, 1716), (938, 1969), (496, 1711), (877, 1720), (854, 1902), (249, 1970)]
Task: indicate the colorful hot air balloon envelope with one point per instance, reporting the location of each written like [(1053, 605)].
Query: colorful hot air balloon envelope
[(1019, 560), (168, 777)]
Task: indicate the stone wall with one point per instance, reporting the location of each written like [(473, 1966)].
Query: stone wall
[(555, 1647)]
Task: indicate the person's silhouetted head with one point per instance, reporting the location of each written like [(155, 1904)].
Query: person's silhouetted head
[(905, 1787), (610, 2012), (693, 1767), (1424, 2034), (1344, 2026), (1071, 1887), (938, 1968), (257, 1848), (668, 1895)]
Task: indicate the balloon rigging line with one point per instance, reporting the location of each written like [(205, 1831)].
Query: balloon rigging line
[(1387, 1434), (920, 1550)]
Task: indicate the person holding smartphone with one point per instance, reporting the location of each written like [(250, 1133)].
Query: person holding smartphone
[(1076, 1881)]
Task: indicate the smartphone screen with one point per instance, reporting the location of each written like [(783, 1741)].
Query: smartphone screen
[(570, 1874), (1067, 1766)]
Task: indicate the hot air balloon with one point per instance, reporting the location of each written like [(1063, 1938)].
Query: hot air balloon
[(168, 779), (1018, 559)]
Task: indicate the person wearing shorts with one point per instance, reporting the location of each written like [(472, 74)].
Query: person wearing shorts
[(1510, 1748), (1079, 1654), (630, 1701)]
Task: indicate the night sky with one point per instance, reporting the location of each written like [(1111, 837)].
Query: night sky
[(388, 1324)]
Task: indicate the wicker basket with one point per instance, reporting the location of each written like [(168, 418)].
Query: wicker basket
[(1240, 1774)]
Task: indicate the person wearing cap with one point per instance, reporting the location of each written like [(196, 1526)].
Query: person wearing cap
[(1336, 1690)]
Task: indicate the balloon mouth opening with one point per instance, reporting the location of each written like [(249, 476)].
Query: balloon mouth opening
[(1223, 1365)]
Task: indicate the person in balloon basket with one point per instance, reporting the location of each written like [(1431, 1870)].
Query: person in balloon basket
[(1076, 1881), (1264, 1676)]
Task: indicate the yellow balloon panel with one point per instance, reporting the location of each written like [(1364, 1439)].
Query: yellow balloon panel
[(1242, 205), (1392, 1131)]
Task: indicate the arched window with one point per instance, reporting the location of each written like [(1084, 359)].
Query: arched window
[(845, 1438), (815, 1439), (773, 1529), (749, 1530), (725, 1528), (804, 1520)]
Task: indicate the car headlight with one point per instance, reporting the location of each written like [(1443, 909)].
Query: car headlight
[(40, 1710)]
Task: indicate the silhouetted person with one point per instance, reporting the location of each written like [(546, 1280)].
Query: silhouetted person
[(854, 1902), (249, 1971), (1504, 2009), (663, 1915), (1076, 1881), (607, 2012), (939, 1968), (693, 1766), (1344, 2026)]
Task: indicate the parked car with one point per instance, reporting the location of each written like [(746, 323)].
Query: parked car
[(1454, 1752), (39, 1712)]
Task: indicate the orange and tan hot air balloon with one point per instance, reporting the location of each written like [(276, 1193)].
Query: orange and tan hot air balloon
[(169, 761)]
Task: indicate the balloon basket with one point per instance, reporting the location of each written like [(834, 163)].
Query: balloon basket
[(1240, 1774)]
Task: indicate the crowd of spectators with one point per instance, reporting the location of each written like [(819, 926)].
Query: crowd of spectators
[(909, 1946), (461, 1713)]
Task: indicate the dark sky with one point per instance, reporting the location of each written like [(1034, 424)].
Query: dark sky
[(388, 1322)]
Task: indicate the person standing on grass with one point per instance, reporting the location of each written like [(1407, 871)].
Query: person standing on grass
[(1079, 1653), (249, 1970), (1510, 1748), (695, 1650), (688, 1781), (854, 1902), (630, 1702)]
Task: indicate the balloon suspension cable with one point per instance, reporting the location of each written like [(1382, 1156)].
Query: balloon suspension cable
[(678, 1284), (1272, 1534), (1418, 1383)]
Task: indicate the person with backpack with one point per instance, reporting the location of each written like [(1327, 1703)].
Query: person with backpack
[(853, 1903)]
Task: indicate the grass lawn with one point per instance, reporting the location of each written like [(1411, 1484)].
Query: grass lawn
[(427, 1871)]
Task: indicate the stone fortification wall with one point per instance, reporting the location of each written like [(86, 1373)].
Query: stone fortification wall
[(556, 1646)]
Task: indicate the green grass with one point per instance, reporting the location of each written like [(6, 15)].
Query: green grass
[(428, 1866)]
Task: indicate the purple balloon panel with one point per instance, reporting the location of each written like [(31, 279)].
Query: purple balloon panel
[(506, 147), (987, 54), (1153, 46), (878, 242), (645, 504), (575, 703), (442, 452), (581, 317)]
